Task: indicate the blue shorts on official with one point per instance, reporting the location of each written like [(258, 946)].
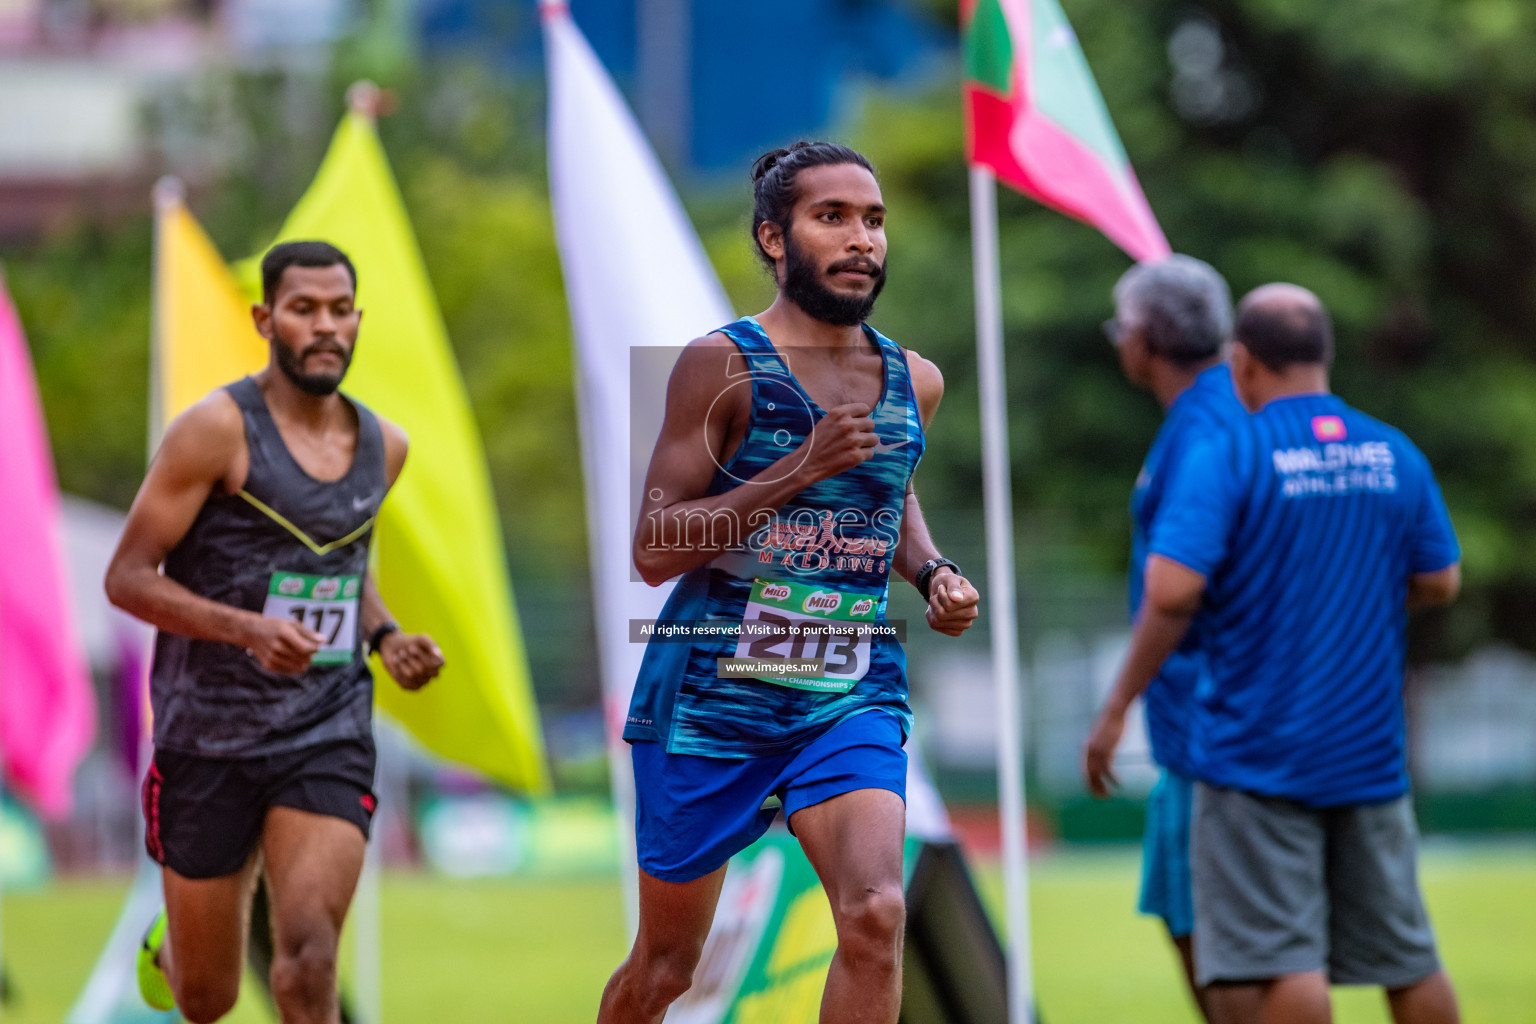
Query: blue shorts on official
[(1166, 891)]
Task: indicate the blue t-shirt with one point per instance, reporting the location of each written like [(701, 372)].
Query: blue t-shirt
[(1205, 408), (1307, 520)]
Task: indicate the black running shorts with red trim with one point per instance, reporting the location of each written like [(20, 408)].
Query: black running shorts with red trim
[(203, 816)]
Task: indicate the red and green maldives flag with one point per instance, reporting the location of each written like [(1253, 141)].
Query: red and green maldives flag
[(1034, 117)]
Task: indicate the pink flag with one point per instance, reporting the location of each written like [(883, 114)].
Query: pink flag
[(1035, 118), (47, 708)]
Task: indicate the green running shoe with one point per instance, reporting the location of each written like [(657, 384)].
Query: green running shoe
[(152, 984)]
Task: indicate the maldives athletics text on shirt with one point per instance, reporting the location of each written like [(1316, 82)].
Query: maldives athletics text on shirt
[(1307, 520)]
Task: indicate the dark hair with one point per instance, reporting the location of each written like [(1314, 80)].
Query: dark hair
[(1181, 306), (774, 176), (1283, 332), (299, 254)]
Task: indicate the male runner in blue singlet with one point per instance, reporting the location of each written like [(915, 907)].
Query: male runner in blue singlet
[(780, 490), (260, 504), (1172, 318)]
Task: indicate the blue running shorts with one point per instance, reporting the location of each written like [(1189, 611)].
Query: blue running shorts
[(1166, 890), (692, 814)]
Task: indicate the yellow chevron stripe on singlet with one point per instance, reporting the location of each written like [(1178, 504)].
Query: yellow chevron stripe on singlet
[(319, 549)]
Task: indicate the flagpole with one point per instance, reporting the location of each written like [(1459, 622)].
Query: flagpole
[(1001, 604)]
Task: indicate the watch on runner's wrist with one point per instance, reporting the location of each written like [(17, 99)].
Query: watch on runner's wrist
[(371, 645), (925, 574)]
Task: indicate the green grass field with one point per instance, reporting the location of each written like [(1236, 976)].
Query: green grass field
[(539, 952)]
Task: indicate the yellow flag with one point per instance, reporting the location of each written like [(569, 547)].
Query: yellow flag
[(440, 558), (204, 337)]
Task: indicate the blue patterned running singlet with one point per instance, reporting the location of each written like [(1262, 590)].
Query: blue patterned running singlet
[(828, 547)]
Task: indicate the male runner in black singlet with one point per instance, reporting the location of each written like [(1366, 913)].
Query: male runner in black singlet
[(260, 504)]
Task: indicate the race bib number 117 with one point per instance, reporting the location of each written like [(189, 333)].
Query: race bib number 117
[(326, 604)]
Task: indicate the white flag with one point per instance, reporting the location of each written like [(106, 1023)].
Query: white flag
[(636, 277)]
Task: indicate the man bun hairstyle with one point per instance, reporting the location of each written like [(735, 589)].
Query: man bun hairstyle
[(1181, 305), (1284, 333), (774, 175), (300, 254)]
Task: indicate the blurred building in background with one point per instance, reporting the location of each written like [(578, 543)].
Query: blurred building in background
[(98, 97), (713, 81)]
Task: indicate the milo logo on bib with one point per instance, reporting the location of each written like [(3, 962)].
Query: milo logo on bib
[(823, 601), (798, 622)]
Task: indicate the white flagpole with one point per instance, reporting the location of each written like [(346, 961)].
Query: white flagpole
[(1001, 606)]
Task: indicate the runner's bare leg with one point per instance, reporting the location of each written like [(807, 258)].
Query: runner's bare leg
[(207, 920), (854, 841), (313, 863), (674, 922)]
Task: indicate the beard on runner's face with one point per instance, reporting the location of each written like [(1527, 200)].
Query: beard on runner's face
[(803, 285), (317, 384)]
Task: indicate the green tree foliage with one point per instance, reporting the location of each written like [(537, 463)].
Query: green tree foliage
[(84, 305)]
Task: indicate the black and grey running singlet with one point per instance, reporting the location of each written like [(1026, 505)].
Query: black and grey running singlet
[(286, 545)]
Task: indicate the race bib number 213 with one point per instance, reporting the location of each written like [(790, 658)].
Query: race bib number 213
[(787, 621)]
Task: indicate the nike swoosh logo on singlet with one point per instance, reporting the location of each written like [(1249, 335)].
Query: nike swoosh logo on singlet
[(882, 447)]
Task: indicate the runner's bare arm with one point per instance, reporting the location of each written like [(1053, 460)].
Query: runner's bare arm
[(952, 601), (412, 659), (681, 529), (1173, 595), (203, 449)]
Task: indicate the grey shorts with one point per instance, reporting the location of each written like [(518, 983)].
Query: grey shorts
[(1281, 888)]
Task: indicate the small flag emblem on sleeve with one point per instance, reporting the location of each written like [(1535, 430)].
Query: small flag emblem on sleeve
[(1328, 428)]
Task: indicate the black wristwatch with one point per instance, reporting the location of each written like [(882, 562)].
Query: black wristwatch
[(371, 645), (925, 574)]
